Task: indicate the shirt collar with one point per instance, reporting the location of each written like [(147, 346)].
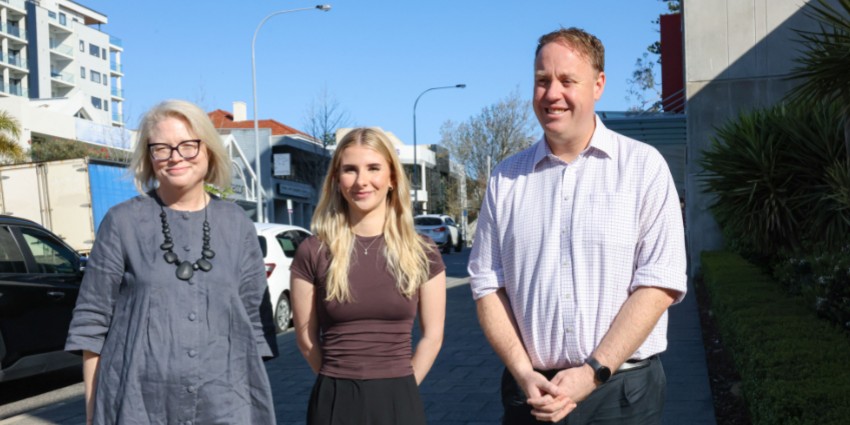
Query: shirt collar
[(601, 141)]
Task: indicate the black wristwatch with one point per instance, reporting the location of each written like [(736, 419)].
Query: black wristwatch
[(600, 372)]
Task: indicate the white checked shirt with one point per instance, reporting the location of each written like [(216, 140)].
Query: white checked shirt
[(570, 242)]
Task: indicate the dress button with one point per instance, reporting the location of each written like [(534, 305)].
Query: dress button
[(186, 248), (190, 282), (192, 316), (185, 216), (192, 353), (188, 423), (190, 388)]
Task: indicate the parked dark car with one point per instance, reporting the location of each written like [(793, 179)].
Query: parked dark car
[(39, 282)]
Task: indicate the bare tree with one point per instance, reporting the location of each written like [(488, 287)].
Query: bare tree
[(498, 131), (645, 83), (323, 118)]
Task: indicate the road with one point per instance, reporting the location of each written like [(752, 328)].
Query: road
[(47, 392)]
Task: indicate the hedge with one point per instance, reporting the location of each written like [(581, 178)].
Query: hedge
[(794, 367)]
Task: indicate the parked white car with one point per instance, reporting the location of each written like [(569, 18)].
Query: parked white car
[(442, 229), (279, 243)]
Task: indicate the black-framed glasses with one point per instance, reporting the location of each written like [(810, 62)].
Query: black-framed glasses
[(188, 149)]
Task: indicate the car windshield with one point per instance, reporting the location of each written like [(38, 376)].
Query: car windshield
[(427, 221)]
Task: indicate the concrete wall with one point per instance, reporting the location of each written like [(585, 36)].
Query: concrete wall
[(738, 54)]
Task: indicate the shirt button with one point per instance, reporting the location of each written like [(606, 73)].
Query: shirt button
[(190, 388), (192, 353), (192, 316)]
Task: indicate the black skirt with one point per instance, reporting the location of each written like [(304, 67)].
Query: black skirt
[(390, 401)]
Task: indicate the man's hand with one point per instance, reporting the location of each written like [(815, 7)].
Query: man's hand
[(547, 400), (574, 385)]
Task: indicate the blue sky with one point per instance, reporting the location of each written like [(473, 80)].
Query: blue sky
[(373, 57)]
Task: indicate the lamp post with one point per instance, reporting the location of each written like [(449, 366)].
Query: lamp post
[(323, 7), (415, 162)]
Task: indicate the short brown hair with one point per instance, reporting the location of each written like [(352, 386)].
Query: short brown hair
[(218, 172), (583, 42)]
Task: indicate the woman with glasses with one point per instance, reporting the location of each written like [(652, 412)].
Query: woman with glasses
[(169, 313), (357, 286)]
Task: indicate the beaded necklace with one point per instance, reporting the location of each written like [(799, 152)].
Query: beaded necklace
[(185, 269)]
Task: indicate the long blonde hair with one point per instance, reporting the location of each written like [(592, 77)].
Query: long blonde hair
[(405, 251)]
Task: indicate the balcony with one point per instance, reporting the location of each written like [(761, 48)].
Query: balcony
[(115, 41), (116, 92), (13, 90), (115, 67), (62, 49), (117, 117), (16, 4), (65, 78), (13, 31)]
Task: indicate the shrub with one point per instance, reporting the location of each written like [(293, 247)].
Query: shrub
[(792, 365), (780, 179)]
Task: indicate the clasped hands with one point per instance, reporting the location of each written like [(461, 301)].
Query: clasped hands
[(552, 401)]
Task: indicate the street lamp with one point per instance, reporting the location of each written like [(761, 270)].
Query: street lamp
[(415, 162), (322, 7)]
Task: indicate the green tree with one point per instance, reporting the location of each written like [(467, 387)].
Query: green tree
[(10, 132), (823, 65)]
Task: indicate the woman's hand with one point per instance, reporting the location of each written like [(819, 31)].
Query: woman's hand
[(432, 318)]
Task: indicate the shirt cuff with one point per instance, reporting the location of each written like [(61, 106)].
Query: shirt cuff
[(661, 276)]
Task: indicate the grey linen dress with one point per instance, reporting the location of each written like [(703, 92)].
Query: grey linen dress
[(173, 351)]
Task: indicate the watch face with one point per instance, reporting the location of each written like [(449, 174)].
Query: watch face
[(602, 374)]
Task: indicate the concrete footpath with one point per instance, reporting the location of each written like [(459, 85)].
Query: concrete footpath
[(463, 386)]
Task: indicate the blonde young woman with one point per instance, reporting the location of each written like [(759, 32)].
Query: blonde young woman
[(357, 286), (168, 316)]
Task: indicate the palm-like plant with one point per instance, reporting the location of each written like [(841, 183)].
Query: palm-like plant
[(823, 65), (10, 131)]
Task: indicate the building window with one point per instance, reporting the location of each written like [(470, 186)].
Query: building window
[(96, 102), (63, 19), (51, 14), (94, 50), (82, 72), (95, 76), (105, 81), (106, 106), (103, 54), (82, 46)]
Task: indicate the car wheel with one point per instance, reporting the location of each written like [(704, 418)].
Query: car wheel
[(447, 247), (459, 245), (282, 313)]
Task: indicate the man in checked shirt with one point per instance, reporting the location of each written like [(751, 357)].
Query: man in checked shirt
[(578, 254)]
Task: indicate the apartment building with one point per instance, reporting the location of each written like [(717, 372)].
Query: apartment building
[(55, 50)]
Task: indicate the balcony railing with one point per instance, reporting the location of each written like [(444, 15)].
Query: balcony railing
[(115, 41), (66, 77), (61, 48), (13, 60), (13, 30), (115, 66), (15, 90), (117, 92)]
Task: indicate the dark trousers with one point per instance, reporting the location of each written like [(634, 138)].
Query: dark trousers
[(630, 397)]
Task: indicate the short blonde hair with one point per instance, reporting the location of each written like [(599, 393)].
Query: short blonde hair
[(197, 121), (581, 41)]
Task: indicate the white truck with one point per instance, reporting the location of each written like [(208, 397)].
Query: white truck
[(70, 197)]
